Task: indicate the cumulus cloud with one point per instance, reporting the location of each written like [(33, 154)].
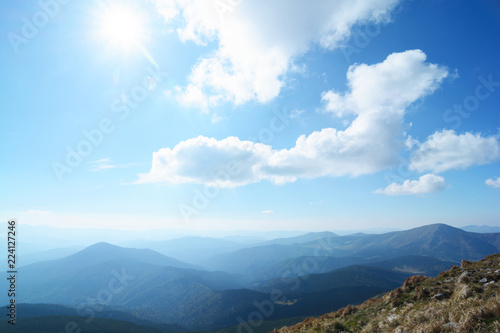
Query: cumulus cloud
[(388, 86), (495, 183), (371, 143), (257, 44), (428, 183), (445, 150), (225, 163)]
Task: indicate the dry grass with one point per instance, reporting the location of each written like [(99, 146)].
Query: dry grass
[(452, 302)]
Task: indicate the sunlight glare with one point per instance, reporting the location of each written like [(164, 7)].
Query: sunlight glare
[(121, 27)]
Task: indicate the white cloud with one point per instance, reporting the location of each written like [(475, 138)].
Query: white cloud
[(37, 212), (371, 143), (105, 164), (102, 160), (102, 164), (446, 150), (226, 163), (388, 86), (495, 183), (428, 183), (269, 211), (296, 113), (257, 43)]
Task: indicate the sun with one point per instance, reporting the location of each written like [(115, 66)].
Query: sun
[(120, 27)]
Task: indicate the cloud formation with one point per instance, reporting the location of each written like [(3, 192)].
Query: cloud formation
[(494, 183), (257, 44), (445, 150), (37, 212), (102, 164), (378, 95), (428, 183)]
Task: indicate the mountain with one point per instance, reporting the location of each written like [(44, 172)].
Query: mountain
[(25, 313), (92, 256), (421, 265), (352, 276), (102, 252), (435, 240), (461, 299), (309, 237), (304, 265), (75, 324), (191, 249), (251, 261), (481, 229), (104, 278), (30, 258), (294, 267), (438, 241), (304, 276), (142, 282)]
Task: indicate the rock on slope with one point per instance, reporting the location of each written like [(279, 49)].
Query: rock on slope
[(462, 299)]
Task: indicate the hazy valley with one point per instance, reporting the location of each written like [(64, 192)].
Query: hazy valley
[(206, 283)]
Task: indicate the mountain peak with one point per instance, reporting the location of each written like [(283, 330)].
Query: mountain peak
[(102, 252), (102, 245), (436, 227)]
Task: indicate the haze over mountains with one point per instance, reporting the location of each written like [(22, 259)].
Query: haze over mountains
[(201, 283)]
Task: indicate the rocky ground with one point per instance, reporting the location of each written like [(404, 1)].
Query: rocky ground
[(462, 299)]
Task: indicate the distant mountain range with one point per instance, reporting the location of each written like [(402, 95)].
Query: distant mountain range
[(438, 241), (299, 276), (481, 228)]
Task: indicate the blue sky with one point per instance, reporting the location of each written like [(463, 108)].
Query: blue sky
[(257, 115)]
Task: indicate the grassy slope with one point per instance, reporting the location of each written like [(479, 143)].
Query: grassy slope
[(442, 304)]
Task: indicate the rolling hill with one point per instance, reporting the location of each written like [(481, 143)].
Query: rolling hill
[(351, 276), (421, 265), (105, 278), (138, 281), (312, 274), (25, 311), (251, 261)]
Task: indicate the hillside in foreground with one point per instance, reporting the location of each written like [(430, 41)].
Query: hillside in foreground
[(461, 299)]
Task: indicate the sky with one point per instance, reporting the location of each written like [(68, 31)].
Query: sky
[(250, 115)]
